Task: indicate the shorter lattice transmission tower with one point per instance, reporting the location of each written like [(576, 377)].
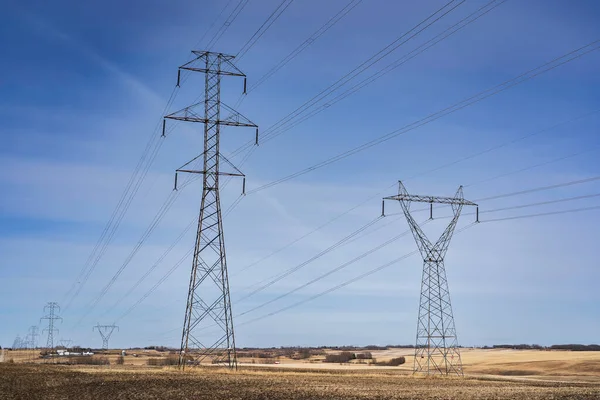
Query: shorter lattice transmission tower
[(66, 343), (18, 343), (436, 349), (105, 332), (51, 308), (31, 338)]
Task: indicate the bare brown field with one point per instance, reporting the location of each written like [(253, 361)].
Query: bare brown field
[(489, 374), (39, 381)]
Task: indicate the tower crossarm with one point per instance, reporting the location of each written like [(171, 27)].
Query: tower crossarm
[(200, 64), (431, 199)]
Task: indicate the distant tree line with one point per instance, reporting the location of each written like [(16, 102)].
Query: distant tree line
[(572, 347)]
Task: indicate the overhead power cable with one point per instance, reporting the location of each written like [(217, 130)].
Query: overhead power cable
[(153, 267), (264, 27), (530, 167), (395, 261), (363, 255), (307, 43), (541, 188), (465, 158), (291, 120), (426, 209), (165, 207), (544, 214), (341, 285), (505, 144), (541, 203), (328, 273), (404, 233), (274, 279), (156, 285), (374, 59), (330, 221), (135, 181), (561, 60), (228, 22), (213, 24)]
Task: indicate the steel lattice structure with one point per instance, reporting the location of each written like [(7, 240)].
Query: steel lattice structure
[(31, 338), (51, 308), (208, 301), (436, 349), (18, 343), (105, 332)]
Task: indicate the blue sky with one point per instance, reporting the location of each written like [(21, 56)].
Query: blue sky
[(84, 84)]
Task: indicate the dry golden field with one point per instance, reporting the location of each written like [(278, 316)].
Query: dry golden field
[(489, 374)]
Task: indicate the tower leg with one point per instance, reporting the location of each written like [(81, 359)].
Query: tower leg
[(436, 349)]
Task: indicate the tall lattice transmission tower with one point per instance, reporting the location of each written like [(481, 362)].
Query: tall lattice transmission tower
[(436, 349), (208, 301), (105, 332), (51, 308)]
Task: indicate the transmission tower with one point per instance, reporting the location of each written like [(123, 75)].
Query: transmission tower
[(436, 350), (66, 343), (18, 343), (105, 332), (51, 309), (208, 301), (31, 338)]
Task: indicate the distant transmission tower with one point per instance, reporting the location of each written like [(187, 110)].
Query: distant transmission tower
[(18, 343), (208, 300), (105, 332), (31, 338), (436, 350), (51, 309), (66, 343)]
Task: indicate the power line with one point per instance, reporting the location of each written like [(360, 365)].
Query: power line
[(230, 19), (330, 272), (404, 233), (213, 24), (507, 143), (426, 209), (153, 267), (156, 285), (386, 265), (165, 207), (260, 31), (553, 160), (374, 59), (574, 210), (270, 134), (565, 58), (278, 277), (307, 43), (330, 221), (541, 203), (471, 156), (135, 181), (541, 188)]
